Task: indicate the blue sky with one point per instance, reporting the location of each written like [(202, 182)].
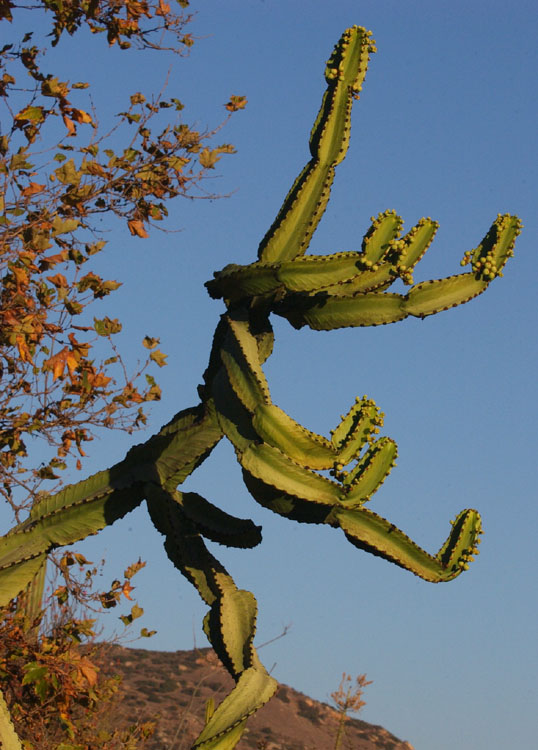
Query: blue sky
[(446, 127)]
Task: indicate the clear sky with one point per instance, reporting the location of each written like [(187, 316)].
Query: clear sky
[(446, 127)]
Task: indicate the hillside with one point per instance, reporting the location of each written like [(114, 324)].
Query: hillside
[(173, 687)]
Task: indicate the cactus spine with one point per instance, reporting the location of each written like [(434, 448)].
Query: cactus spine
[(280, 458)]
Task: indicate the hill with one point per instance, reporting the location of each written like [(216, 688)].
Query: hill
[(173, 687)]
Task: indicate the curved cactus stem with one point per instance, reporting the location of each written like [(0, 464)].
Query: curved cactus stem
[(372, 533), (66, 517), (254, 688), (355, 428), (370, 472), (487, 262), (384, 230), (9, 739), (324, 312), (239, 355), (306, 273), (217, 525), (16, 576), (305, 204), (230, 624), (275, 469), (280, 431), (31, 602)]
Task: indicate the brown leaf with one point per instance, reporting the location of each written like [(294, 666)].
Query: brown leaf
[(24, 352), (70, 125), (32, 189), (236, 103), (136, 227)]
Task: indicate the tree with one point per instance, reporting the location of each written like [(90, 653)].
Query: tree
[(63, 376), (281, 460)]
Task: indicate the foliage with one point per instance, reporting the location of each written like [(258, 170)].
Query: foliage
[(63, 376), (49, 667), (284, 464), (64, 167)]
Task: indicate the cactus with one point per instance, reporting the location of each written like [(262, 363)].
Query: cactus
[(280, 458)]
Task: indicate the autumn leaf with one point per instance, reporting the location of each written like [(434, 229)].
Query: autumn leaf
[(87, 670), (163, 9), (63, 226), (136, 227), (32, 189), (60, 361), (208, 158), (107, 326), (24, 352), (80, 116), (145, 633), (94, 168), (158, 357), (70, 125), (149, 342), (236, 103), (126, 590), (134, 568), (30, 114), (58, 280), (20, 275)]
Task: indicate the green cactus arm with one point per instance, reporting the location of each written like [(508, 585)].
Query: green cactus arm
[(235, 421), (239, 355), (217, 525), (372, 533), (183, 544), (32, 599), (73, 518), (16, 576), (274, 468), (370, 472), (355, 428), (9, 739), (172, 454), (399, 260), (303, 274), (230, 624), (232, 621), (305, 204), (279, 430), (254, 688), (377, 241), (322, 311)]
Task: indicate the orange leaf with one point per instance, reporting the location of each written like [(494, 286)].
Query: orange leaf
[(71, 362), (58, 280), (24, 352), (20, 275), (235, 103), (59, 361), (32, 189), (80, 116), (126, 590), (56, 364), (70, 125), (136, 227), (88, 670), (164, 8)]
